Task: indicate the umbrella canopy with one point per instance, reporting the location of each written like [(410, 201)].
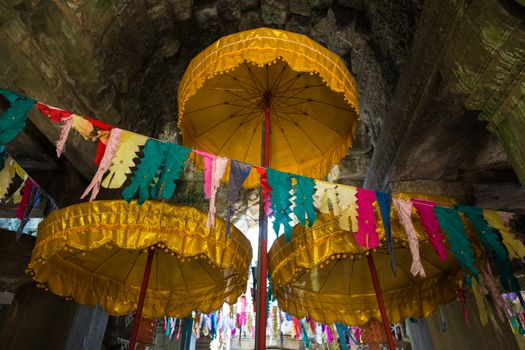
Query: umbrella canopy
[(96, 253), (312, 96), (323, 273)]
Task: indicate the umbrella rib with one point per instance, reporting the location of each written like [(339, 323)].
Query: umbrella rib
[(222, 121), (351, 274), (407, 274), (157, 270), (309, 138), (255, 80), (247, 87), (289, 83), (299, 112), (216, 105), (105, 261), (132, 266), (267, 78), (284, 135), (182, 275), (200, 263), (279, 78), (326, 279), (431, 263), (231, 135), (321, 102), (304, 87)]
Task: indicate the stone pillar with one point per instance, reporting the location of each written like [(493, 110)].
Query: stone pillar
[(41, 320)]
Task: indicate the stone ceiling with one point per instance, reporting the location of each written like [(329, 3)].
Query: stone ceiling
[(427, 73)]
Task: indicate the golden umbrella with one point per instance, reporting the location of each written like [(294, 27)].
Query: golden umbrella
[(323, 273), (97, 253), (269, 97)]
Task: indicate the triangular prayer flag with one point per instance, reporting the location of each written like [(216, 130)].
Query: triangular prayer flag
[(384, 200), (366, 236), (52, 113), (266, 190), (123, 160), (425, 210), (281, 184), (515, 247), (238, 173), (208, 170), (451, 223), (304, 201), (13, 120)]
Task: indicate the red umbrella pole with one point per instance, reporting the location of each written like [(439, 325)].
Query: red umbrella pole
[(260, 320), (380, 302), (142, 296)]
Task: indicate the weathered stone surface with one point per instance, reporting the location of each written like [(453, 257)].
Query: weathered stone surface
[(301, 7), (230, 10), (274, 12), (250, 20), (181, 9)]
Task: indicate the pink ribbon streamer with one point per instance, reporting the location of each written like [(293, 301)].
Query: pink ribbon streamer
[(404, 210), (366, 235), (208, 170), (28, 187), (425, 210), (219, 166), (105, 163), (65, 128)]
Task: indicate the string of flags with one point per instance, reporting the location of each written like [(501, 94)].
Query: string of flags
[(285, 195)]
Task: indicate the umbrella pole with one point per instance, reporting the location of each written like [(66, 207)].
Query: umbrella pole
[(380, 302), (142, 296), (260, 320)]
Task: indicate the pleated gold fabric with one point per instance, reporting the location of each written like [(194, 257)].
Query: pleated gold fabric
[(96, 253), (313, 102), (323, 273)]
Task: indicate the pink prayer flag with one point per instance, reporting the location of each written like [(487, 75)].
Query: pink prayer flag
[(366, 235), (208, 170), (425, 210)]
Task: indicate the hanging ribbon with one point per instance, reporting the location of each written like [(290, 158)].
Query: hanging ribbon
[(514, 246), (329, 335), (384, 200), (56, 115), (123, 160), (238, 173), (489, 240), (14, 118), (425, 210), (366, 236), (306, 340), (266, 190), (208, 170), (65, 128), (111, 150), (342, 335), (219, 166), (463, 301), (451, 223), (404, 210), (281, 184), (304, 205), (490, 283), (347, 201), (480, 302)]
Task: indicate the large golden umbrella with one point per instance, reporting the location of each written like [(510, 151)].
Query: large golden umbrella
[(323, 273), (97, 253), (269, 97)]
